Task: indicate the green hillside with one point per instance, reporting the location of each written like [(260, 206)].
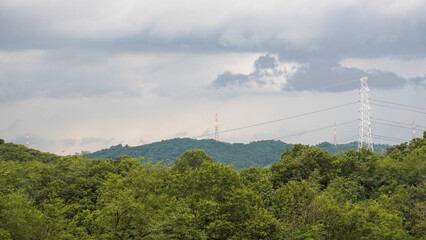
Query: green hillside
[(259, 153), (305, 194), (238, 154)]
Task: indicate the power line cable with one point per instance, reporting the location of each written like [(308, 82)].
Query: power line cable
[(304, 132), (384, 120), (392, 125), (380, 119), (381, 136), (278, 120), (375, 104), (317, 129), (389, 138), (403, 105)]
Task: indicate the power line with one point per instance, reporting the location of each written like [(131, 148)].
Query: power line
[(392, 125), (390, 138), (278, 120), (375, 104), (384, 120), (402, 123), (397, 104), (304, 132), (317, 129)]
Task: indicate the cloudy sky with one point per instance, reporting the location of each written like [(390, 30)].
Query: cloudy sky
[(85, 75)]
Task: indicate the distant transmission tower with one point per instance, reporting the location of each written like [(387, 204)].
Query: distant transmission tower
[(28, 140), (414, 129), (216, 129), (335, 134), (365, 139)]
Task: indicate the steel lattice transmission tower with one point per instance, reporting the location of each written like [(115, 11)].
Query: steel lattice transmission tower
[(365, 139), (28, 140), (334, 135), (414, 129), (216, 129)]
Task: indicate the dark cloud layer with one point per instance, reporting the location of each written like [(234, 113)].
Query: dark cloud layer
[(61, 75), (337, 29), (230, 79), (63, 86), (418, 81), (313, 76), (329, 76), (319, 39)]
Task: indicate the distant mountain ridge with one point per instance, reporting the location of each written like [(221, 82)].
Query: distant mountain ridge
[(238, 154)]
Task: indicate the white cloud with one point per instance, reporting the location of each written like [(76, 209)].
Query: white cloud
[(268, 75)]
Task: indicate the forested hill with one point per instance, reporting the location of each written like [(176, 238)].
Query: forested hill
[(260, 153), (305, 194), (238, 154)]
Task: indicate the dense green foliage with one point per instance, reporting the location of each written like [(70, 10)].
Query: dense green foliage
[(336, 148), (307, 194), (260, 153)]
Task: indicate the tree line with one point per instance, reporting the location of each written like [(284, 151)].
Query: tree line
[(258, 153), (306, 194)]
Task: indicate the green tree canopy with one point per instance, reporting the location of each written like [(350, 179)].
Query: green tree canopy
[(306, 194)]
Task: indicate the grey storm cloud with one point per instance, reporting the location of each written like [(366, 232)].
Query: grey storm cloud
[(328, 32), (418, 81), (61, 85), (329, 76), (228, 78), (36, 73), (320, 75), (336, 28)]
